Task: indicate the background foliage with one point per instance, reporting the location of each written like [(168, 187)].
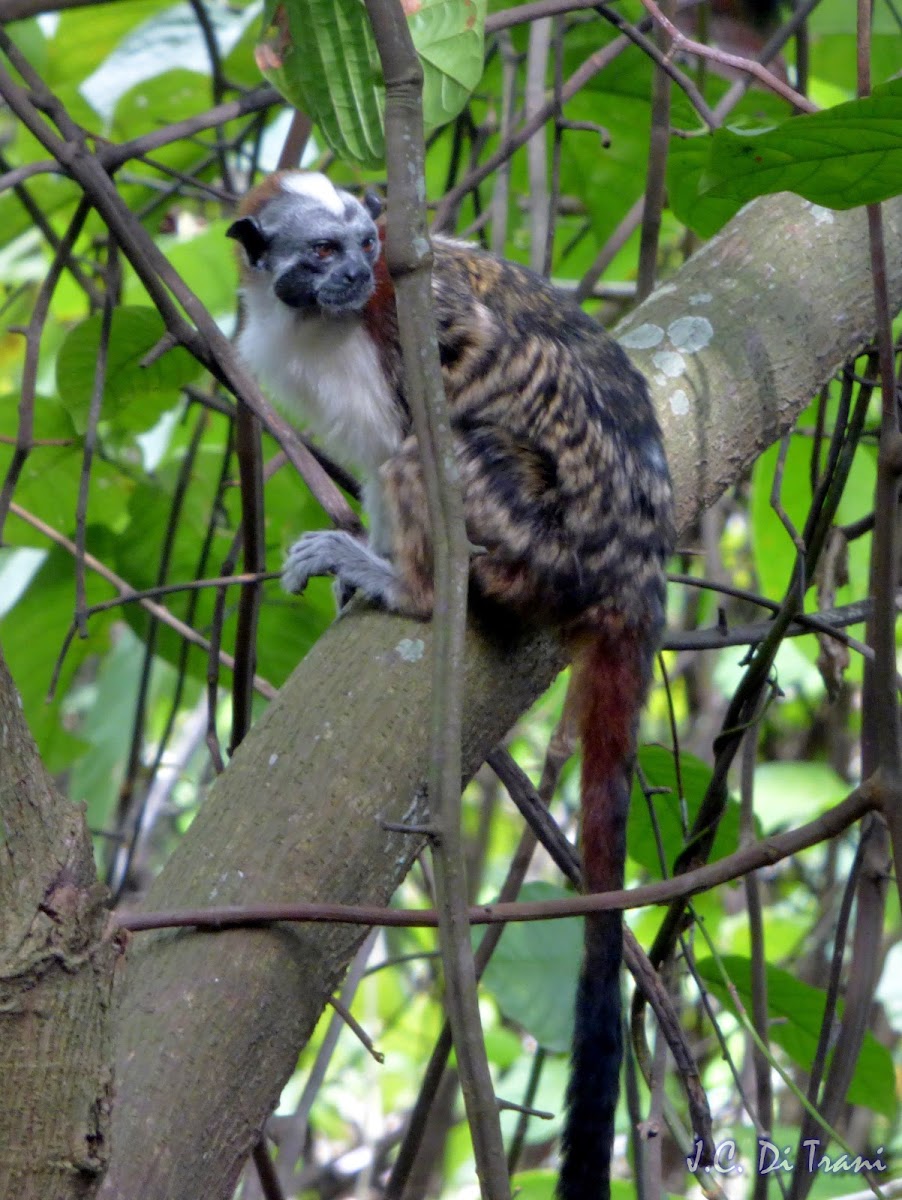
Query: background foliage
[(133, 719)]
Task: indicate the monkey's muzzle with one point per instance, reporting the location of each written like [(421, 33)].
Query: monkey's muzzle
[(344, 291)]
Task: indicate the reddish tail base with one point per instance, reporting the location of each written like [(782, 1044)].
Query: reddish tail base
[(611, 673)]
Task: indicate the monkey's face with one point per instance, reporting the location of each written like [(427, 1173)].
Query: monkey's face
[(315, 245)]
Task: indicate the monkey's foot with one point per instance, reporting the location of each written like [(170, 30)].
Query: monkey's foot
[(352, 562)]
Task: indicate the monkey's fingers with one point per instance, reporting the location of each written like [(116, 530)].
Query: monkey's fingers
[(352, 562)]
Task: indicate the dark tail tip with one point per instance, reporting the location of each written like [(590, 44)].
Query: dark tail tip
[(595, 1069)]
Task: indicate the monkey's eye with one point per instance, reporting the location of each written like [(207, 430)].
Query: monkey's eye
[(368, 244), (325, 250)]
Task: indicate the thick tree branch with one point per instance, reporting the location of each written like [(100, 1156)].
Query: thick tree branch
[(773, 305)]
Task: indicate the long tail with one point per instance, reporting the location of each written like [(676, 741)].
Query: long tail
[(611, 676)]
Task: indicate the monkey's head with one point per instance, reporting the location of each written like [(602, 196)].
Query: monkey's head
[(314, 244)]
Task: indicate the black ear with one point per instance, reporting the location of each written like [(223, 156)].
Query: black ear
[(372, 204), (247, 231)]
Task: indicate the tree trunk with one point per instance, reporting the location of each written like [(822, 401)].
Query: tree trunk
[(56, 979), (212, 1024)]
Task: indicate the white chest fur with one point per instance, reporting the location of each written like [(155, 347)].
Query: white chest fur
[(326, 373)]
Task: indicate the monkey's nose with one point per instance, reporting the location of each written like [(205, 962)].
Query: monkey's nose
[(355, 275)]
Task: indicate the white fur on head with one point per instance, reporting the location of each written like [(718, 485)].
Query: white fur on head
[(316, 187)]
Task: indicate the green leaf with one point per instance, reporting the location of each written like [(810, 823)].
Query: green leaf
[(49, 481), (321, 56), (79, 46), (534, 970), (158, 101), (790, 793), (534, 1185), (448, 37), (32, 633), (796, 1012), (659, 768), (201, 263), (842, 157), (686, 162), (134, 396)]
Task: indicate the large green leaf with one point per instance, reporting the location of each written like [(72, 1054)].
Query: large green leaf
[(533, 972), (842, 157), (49, 480), (448, 37), (796, 1012), (321, 55), (201, 263), (788, 793), (134, 395), (659, 768), (79, 45), (159, 100), (32, 633)]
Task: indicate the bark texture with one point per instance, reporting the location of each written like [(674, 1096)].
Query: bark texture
[(56, 979), (211, 1024)]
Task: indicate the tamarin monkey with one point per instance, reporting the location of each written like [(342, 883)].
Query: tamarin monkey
[(565, 486)]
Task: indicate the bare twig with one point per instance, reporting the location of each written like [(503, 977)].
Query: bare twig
[(827, 1032), (533, 100), (110, 299), (797, 18), (114, 156), (560, 749), (266, 1172), (347, 1017), (536, 11), (658, 146), (409, 264), (501, 190), (16, 175), (249, 453), (747, 65), (295, 141), (662, 60), (766, 853), (764, 1099)]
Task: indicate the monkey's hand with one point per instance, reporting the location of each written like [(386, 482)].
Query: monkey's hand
[(352, 562)]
